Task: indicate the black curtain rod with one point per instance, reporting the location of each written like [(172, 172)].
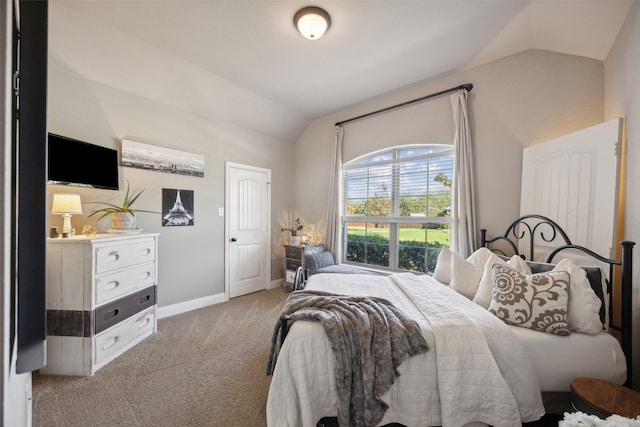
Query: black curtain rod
[(467, 87)]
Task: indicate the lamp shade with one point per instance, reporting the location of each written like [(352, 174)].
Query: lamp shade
[(66, 204), (312, 22)]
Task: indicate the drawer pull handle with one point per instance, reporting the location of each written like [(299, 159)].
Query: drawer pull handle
[(144, 299), (145, 275), (145, 252), (111, 285), (112, 257), (111, 342), (143, 322), (111, 314)]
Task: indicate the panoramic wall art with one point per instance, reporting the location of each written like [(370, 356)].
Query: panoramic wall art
[(159, 159), (177, 207)]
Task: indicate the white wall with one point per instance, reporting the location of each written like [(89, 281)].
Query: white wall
[(523, 99), (105, 86), (622, 90)]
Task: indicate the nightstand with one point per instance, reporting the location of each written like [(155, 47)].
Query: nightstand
[(293, 258), (602, 398)]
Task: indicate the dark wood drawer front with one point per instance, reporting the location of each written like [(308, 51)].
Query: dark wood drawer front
[(293, 252), (119, 310), (292, 264)]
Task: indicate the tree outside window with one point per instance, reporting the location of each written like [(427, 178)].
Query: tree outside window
[(397, 207)]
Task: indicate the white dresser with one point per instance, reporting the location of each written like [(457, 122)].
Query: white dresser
[(101, 299)]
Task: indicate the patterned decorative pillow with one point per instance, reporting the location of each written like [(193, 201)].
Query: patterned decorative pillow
[(485, 288), (534, 301)]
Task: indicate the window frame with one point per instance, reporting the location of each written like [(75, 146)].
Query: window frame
[(393, 221)]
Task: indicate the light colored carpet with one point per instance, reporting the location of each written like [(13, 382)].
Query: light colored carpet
[(203, 368)]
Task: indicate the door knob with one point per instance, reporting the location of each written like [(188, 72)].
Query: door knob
[(233, 239)]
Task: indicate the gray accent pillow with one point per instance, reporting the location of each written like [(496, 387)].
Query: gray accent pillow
[(347, 269), (594, 274), (536, 301), (314, 249), (318, 260)]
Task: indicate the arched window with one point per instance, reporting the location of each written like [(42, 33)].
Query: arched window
[(396, 207)]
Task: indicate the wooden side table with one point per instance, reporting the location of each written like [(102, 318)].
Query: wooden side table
[(602, 398), (293, 258)]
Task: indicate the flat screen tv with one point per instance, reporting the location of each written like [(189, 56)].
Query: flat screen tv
[(81, 164)]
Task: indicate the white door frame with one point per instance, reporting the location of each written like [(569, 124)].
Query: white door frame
[(228, 166)]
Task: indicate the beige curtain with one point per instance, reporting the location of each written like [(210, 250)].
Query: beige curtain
[(463, 206), (332, 237)]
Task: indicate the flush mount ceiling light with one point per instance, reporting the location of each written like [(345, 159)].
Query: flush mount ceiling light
[(312, 22)]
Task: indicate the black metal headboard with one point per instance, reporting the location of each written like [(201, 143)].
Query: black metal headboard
[(520, 229), (532, 226)]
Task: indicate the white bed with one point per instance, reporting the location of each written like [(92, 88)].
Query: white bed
[(478, 368), (558, 360), (302, 389)]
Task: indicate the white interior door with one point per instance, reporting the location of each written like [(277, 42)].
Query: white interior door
[(574, 181), (248, 229)]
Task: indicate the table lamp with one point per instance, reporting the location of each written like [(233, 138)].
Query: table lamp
[(66, 205)]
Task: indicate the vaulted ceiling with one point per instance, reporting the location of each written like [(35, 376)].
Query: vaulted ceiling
[(371, 48)]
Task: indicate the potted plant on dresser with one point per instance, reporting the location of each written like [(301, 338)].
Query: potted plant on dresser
[(123, 217), (294, 240)]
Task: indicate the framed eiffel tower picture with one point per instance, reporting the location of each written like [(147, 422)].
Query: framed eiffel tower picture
[(177, 207)]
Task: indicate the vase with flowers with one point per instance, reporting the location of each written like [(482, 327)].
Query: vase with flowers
[(294, 240)]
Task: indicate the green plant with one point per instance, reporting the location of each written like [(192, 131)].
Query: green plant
[(130, 198), (297, 226)]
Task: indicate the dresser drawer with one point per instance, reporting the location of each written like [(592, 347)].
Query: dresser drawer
[(113, 341), (293, 264), (114, 285), (119, 310), (292, 252), (290, 276), (123, 255)]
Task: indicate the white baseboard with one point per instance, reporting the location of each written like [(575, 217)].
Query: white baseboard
[(183, 307), (194, 304), (276, 283)]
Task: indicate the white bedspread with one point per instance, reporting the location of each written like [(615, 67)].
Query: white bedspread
[(475, 369), (558, 360)]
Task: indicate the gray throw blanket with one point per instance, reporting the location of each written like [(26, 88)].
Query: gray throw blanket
[(369, 337)]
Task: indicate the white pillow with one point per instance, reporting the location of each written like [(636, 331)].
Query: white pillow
[(584, 304), (465, 275), (485, 287), (479, 257), (519, 264), (442, 272)]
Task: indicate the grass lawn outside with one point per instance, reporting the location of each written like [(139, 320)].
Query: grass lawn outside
[(408, 234)]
